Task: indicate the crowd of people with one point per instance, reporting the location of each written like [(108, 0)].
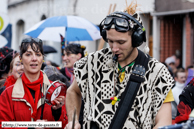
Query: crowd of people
[(183, 79), (118, 87), (25, 81)]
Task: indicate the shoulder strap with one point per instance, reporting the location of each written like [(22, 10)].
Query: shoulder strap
[(127, 98)]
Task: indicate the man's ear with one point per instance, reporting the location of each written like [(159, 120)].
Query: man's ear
[(79, 55)]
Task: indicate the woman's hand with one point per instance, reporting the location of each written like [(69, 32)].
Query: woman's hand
[(59, 101)]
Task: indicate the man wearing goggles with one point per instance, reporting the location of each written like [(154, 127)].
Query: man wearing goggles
[(102, 79)]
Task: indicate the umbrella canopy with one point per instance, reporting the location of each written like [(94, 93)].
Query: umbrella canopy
[(49, 49), (73, 28)]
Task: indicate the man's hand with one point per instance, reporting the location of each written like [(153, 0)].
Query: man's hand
[(60, 101), (76, 126)]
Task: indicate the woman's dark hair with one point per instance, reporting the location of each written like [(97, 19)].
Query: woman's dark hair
[(75, 48), (35, 43)]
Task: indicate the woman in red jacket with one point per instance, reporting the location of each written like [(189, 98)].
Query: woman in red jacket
[(22, 101)]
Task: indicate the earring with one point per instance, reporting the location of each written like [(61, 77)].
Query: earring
[(43, 61), (20, 61)]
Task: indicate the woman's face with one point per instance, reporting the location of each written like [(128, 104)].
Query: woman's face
[(17, 68), (32, 61), (69, 59)]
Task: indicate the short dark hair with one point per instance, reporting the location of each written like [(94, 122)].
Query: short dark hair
[(190, 66), (75, 48), (179, 70), (35, 43)]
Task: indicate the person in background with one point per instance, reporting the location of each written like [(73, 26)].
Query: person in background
[(189, 73), (104, 77), (22, 101), (170, 62), (6, 56), (71, 53), (180, 78), (177, 61), (16, 70)]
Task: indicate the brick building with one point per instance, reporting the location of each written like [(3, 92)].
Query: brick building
[(174, 29)]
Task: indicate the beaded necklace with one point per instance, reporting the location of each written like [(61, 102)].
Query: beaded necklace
[(120, 76)]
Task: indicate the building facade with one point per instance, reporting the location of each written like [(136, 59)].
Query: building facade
[(26, 13), (175, 30)]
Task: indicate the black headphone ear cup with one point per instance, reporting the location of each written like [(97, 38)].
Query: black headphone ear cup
[(138, 37), (103, 34)]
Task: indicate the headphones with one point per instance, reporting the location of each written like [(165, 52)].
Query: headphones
[(138, 36)]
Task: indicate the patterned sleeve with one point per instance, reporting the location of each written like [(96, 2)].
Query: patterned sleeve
[(161, 87), (81, 74)]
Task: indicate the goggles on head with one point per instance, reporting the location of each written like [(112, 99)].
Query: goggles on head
[(120, 24), (29, 40)]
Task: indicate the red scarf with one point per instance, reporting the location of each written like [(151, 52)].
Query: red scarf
[(10, 80), (35, 86), (70, 74)]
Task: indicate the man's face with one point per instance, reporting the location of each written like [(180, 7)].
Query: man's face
[(121, 44), (181, 77)]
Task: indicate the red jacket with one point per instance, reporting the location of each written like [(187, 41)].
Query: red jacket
[(14, 105)]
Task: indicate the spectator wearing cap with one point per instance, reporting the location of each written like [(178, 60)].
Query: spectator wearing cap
[(170, 62)]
